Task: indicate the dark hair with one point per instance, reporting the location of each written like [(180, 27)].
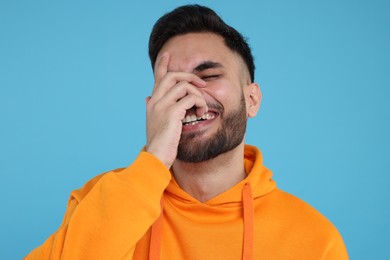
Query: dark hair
[(196, 18)]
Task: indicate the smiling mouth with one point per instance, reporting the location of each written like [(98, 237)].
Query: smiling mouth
[(192, 119)]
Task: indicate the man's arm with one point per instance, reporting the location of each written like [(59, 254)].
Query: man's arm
[(106, 219), (174, 93), (336, 248)]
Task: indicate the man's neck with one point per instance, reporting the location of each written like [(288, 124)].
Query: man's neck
[(208, 179)]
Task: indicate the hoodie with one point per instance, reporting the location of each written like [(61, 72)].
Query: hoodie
[(140, 212)]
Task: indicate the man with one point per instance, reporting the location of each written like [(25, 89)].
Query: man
[(196, 191)]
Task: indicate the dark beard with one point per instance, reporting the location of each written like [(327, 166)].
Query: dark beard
[(229, 136)]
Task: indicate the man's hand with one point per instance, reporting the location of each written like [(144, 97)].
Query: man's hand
[(173, 94)]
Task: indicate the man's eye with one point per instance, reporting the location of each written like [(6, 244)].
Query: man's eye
[(210, 77)]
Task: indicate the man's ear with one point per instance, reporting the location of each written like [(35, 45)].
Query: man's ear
[(253, 99)]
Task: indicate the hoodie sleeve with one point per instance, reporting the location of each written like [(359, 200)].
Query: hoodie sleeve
[(336, 248), (110, 214)]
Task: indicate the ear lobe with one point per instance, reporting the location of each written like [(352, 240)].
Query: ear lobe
[(253, 99)]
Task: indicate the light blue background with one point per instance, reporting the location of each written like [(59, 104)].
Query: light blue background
[(74, 75)]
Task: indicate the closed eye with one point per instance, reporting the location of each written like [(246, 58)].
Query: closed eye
[(210, 77)]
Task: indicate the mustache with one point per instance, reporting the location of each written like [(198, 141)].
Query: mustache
[(212, 105), (215, 105)]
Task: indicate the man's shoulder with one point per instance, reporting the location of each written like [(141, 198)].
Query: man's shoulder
[(80, 193), (289, 222), (289, 210), (143, 173)]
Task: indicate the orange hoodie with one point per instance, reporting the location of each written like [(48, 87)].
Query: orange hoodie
[(117, 215)]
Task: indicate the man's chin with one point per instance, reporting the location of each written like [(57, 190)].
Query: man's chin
[(190, 152)]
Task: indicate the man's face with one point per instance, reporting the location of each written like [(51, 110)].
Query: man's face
[(206, 55)]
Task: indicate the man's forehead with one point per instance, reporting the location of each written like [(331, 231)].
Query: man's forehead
[(194, 49)]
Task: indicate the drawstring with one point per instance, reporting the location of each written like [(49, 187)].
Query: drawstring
[(248, 216), (155, 237), (248, 212)]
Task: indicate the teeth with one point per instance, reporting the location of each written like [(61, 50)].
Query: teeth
[(192, 119)]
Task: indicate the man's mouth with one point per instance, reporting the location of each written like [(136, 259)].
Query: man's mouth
[(192, 119)]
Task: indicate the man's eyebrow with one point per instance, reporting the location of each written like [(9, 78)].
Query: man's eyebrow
[(207, 65)]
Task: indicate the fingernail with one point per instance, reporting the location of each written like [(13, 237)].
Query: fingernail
[(202, 82)]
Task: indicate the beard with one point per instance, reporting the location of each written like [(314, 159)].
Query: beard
[(229, 135)]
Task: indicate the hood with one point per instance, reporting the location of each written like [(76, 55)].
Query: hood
[(258, 176), (257, 183)]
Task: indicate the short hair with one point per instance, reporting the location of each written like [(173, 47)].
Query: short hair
[(193, 19)]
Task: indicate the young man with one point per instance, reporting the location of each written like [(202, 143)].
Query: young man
[(196, 191)]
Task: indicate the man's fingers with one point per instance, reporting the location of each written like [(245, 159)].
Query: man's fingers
[(177, 87), (164, 80), (147, 99), (191, 101), (161, 67), (178, 92), (173, 78)]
